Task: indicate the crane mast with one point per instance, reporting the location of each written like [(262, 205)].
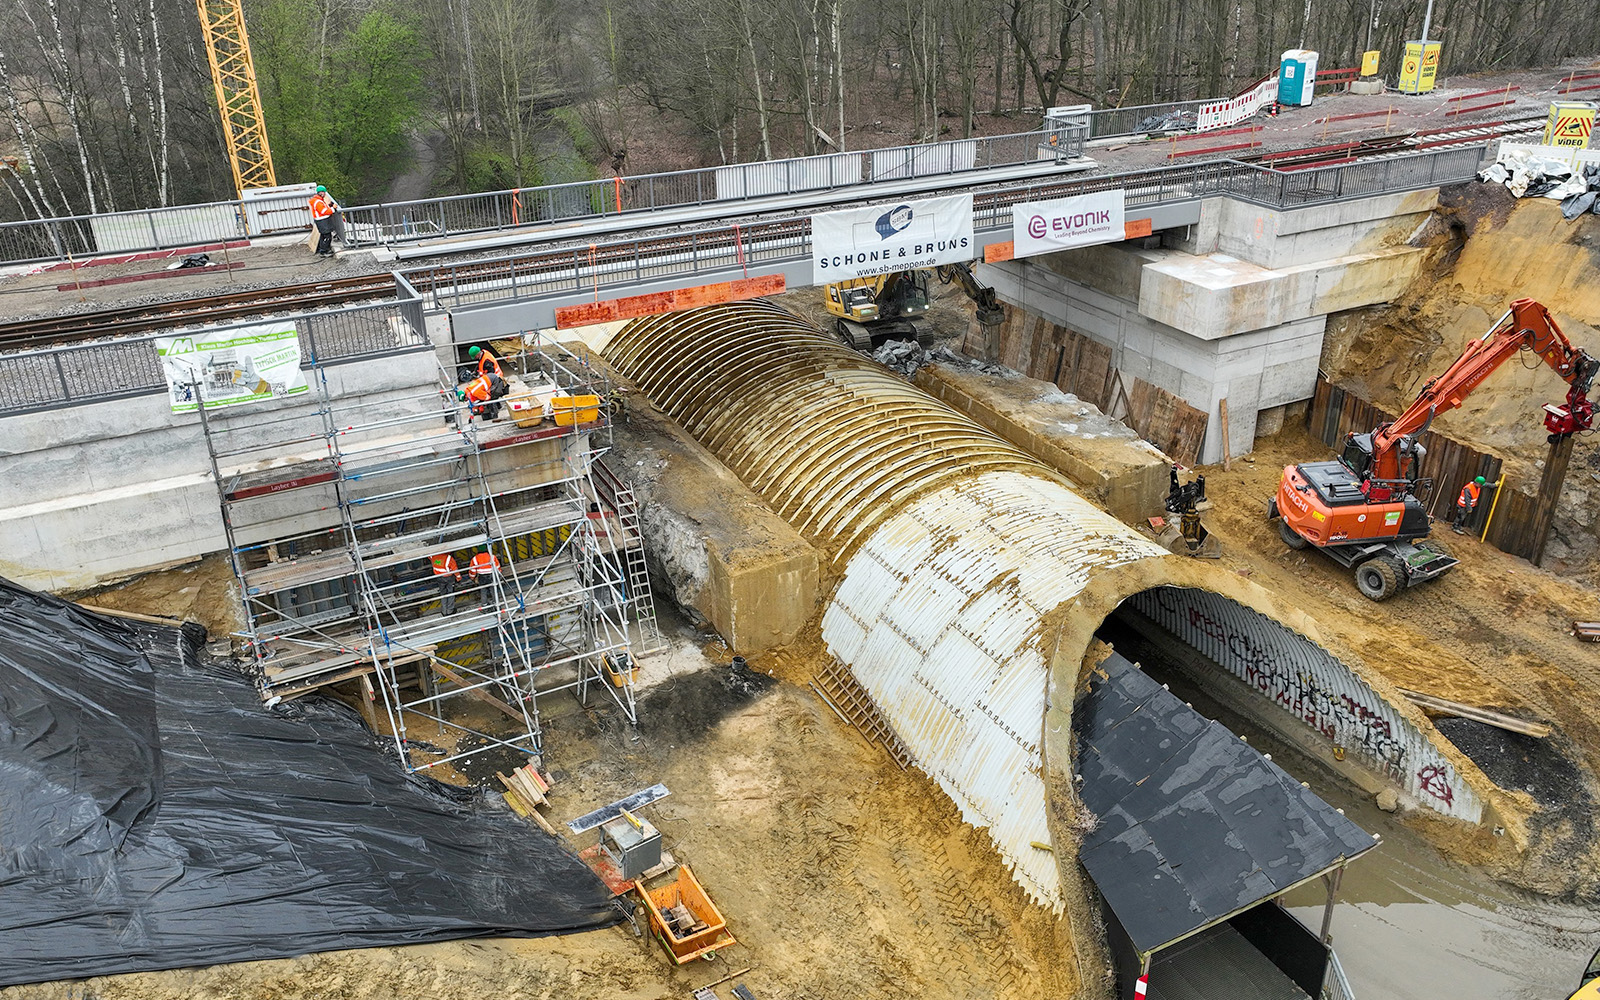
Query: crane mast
[(239, 101)]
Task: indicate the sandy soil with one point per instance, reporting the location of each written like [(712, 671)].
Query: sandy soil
[(841, 875)]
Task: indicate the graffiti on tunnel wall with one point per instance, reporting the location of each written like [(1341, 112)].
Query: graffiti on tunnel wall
[(1316, 688)]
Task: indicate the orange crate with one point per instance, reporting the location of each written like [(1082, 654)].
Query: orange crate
[(685, 890)]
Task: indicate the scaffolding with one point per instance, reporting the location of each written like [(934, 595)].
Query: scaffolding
[(339, 512)]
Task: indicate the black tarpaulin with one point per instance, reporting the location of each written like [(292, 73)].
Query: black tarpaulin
[(154, 815), (1194, 825)]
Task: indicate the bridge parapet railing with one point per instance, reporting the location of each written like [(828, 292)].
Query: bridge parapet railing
[(75, 374), (433, 218)]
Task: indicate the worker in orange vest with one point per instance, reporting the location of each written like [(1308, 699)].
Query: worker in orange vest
[(484, 567), (1466, 503), (487, 362), (323, 209), (448, 574), (481, 395)]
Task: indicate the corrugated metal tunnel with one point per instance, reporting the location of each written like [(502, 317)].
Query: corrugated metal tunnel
[(971, 578)]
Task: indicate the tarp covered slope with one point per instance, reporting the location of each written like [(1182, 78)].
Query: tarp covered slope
[(1194, 824), (154, 815)]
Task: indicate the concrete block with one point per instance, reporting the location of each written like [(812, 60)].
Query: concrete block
[(721, 551), (1100, 456)]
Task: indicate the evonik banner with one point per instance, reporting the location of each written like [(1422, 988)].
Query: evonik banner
[(1085, 220), (898, 236)]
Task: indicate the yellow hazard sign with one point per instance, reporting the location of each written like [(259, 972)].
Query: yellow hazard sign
[(1419, 69), (1570, 124), (1369, 63)]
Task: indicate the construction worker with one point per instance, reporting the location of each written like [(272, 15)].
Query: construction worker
[(323, 209), (484, 566), (1466, 503), (486, 360), (481, 395), (448, 574)]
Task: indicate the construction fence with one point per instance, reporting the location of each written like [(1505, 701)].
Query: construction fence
[(1336, 412)]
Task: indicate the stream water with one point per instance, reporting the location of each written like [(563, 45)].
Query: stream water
[(1411, 925)]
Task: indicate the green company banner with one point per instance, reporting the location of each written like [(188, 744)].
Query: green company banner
[(225, 367)]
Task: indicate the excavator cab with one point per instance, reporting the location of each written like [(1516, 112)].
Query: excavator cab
[(1589, 988), (880, 307)]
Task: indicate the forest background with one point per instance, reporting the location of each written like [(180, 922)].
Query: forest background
[(109, 103)]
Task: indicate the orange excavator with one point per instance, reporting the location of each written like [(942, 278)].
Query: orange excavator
[(1366, 510)]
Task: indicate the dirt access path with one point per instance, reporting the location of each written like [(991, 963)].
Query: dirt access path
[(1492, 632)]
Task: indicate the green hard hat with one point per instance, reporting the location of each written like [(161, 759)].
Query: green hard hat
[(321, 189), (474, 351), (461, 393), (1480, 480)]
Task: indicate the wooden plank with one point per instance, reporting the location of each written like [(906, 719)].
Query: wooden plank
[(1227, 458), (1510, 723), (130, 615), (477, 692), (1093, 381)]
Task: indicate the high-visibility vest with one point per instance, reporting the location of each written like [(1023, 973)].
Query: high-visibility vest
[(489, 363), (485, 564), (1469, 495), (444, 565), (478, 389), (321, 206)]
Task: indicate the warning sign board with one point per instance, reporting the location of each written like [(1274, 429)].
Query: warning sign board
[(1570, 124), (1419, 68)]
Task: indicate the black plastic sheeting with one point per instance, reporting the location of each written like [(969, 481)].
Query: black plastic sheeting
[(154, 815), (1194, 825)]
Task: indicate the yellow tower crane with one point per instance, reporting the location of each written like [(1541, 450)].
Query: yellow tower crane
[(233, 73)]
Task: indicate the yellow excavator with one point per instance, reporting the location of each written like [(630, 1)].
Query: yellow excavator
[(890, 306), (1590, 989)]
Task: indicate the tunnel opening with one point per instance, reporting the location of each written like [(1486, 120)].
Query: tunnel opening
[(1247, 665), (1226, 665)]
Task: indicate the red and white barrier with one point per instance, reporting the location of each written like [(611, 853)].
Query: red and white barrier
[(1221, 114), (1141, 987)]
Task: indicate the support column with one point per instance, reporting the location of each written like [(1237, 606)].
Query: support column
[(1332, 882)]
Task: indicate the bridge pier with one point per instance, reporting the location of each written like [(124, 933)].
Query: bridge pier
[(1231, 308)]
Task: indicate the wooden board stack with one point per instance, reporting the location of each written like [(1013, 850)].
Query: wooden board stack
[(525, 791)]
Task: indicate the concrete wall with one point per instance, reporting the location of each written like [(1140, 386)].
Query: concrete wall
[(125, 486), (1235, 306)]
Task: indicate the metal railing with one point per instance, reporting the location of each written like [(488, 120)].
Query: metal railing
[(113, 369), (432, 218), (627, 263), (1139, 119), (1335, 985)]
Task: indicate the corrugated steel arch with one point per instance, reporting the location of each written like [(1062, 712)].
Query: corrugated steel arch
[(832, 440), (973, 578)]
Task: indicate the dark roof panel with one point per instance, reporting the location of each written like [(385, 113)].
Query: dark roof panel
[(1194, 823)]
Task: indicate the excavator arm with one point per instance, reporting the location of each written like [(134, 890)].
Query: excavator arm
[(1527, 325), (982, 296)]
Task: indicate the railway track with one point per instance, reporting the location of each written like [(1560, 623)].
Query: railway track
[(559, 263), (51, 331), (1399, 144)]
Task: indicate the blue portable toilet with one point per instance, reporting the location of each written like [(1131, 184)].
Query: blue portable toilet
[(1297, 75)]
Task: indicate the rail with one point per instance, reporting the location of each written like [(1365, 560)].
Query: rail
[(627, 263), (460, 215), (67, 238), (109, 369), (114, 369)]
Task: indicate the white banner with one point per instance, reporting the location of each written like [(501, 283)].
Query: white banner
[(240, 365), (864, 241), (1047, 226)]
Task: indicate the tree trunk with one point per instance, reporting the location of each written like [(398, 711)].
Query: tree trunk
[(755, 71), (838, 67)]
